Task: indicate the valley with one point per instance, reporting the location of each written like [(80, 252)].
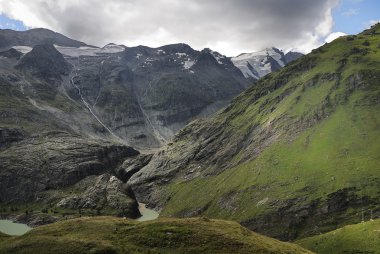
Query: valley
[(120, 149), (74, 117)]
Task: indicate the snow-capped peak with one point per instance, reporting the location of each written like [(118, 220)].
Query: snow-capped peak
[(258, 64)]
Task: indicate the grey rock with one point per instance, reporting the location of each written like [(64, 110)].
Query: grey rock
[(11, 53), (49, 167), (10, 135), (101, 192), (45, 62), (132, 165)]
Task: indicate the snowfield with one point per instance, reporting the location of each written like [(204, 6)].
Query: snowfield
[(89, 51), (257, 64)]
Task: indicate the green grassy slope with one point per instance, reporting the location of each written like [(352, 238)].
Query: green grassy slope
[(113, 235), (358, 238), (295, 155)]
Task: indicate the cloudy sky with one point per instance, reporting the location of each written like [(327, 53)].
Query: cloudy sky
[(228, 26)]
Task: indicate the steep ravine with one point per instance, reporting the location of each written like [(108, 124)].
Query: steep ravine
[(89, 107)]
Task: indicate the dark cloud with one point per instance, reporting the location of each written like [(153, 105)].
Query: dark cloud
[(229, 26)]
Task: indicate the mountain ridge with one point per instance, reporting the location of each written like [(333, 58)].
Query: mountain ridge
[(278, 159), (33, 37)]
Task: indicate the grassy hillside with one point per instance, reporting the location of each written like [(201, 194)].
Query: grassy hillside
[(295, 155), (358, 238), (112, 235)]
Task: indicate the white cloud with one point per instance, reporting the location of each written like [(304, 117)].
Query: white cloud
[(372, 22), (356, 1), (351, 12), (334, 36), (230, 27)]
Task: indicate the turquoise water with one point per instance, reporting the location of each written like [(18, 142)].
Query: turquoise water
[(147, 214), (10, 228)]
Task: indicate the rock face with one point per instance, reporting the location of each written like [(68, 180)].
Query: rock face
[(145, 95), (101, 192), (131, 166), (294, 155), (9, 135), (11, 53), (45, 62), (63, 170)]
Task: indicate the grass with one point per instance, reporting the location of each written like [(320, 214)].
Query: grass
[(357, 238), (113, 235), (326, 125)]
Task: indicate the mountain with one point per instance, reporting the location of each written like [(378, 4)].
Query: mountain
[(145, 95), (358, 238), (258, 64), (33, 37), (140, 96), (114, 235), (291, 56), (73, 117), (44, 61), (295, 155)]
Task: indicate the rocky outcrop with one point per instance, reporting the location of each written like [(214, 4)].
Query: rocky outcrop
[(11, 53), (45, 62), (63, 170), (34, 219), (9, 135), (100, 193), (302, 219), (132, 165)]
